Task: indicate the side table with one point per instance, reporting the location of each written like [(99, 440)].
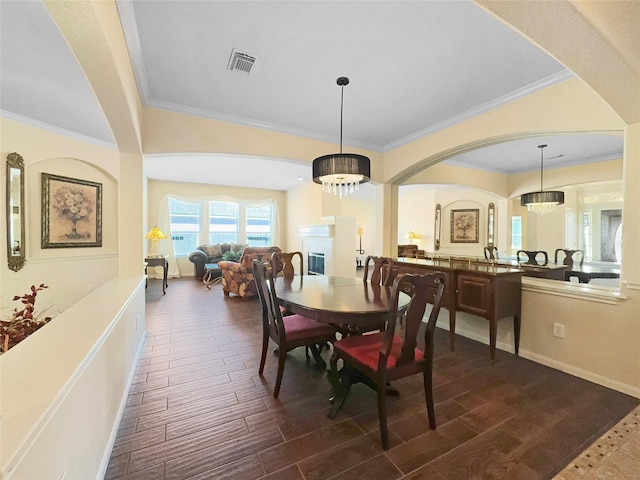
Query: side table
[(212, 274), (159, 262)]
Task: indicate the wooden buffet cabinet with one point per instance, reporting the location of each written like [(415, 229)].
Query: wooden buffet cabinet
[(488, 291)]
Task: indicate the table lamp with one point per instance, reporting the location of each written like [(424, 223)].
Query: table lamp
[(360, 231), (154, 235)]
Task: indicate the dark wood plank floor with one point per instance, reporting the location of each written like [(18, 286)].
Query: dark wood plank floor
[(199, 410)]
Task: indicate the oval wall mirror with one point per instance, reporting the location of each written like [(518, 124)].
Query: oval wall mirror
[(490, 224), (437, 227), (15, 212)]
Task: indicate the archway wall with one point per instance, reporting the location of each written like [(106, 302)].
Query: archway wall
[(441, 174), (568, 107), (171, 132)]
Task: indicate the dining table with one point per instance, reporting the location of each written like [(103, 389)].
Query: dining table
[(349, 304), (586, 273), (337, 300)]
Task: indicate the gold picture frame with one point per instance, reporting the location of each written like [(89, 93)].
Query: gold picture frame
[(71, 212), (464, 225)]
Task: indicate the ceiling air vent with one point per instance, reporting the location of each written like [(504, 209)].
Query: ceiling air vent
[(241, 61)]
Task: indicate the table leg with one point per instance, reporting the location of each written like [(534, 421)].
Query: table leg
[(452, 324), (165, 274), (315, 351), (341, 382), (493, 333), (516, 332)]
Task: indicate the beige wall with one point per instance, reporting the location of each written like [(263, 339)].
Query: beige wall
[(60, 407), (70, 273)]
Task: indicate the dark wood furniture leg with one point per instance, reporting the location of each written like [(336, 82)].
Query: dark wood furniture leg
[(452, 322), (516, 332), (165, 283)]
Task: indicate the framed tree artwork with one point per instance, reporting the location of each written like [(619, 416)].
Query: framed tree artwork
[(71, 212), (464, 225)]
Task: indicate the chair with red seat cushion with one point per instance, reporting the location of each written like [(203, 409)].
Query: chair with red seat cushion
[(287, 332), (382, 273), (377, 271), (385, 356)]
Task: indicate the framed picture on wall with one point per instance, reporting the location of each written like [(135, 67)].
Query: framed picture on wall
[(71, 212), (464, 225)]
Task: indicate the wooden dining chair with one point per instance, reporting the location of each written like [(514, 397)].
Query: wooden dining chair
[(286, 259), (386, 356), (381, 270), (288, 332), (570, 256), (490, 253), (533, 257), (284, 262)]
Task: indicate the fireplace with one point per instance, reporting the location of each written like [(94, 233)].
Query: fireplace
[(328, 247), (315, 261)]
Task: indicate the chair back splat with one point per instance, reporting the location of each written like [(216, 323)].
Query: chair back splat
[(385, 356), (287, 332), (381, 270), (533, 257), (271, 317), (570, 256), (490, 253), (285, 259)]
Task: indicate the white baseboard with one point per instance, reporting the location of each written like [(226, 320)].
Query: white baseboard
[(634, 391)]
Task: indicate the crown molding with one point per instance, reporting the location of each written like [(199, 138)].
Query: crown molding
[(62, 131), (484, 108)]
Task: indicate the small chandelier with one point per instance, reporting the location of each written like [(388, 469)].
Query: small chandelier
[(341, 173), (542, 202)]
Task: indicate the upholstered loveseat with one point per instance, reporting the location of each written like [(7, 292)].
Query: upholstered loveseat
[(210, 254), (237, 277)]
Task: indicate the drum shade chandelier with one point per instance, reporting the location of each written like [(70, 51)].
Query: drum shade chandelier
[(542, 202), (341, 173)]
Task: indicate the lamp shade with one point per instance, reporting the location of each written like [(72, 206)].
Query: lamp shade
[(542, 202), (155, 234), (341, 173)]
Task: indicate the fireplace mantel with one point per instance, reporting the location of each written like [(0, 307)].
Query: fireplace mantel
[(335, 239)]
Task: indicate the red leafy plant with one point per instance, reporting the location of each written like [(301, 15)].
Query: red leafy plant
[(22, 323)]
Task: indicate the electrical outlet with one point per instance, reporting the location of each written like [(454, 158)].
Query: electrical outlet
[(558, 330)]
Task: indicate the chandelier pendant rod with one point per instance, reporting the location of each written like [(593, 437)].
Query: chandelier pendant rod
[(541, 164), (341, 109)]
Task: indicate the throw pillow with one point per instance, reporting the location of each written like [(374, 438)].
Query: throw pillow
[(212, 251), (231, 256), (236, 247)]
